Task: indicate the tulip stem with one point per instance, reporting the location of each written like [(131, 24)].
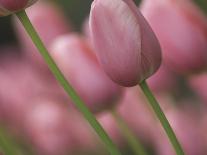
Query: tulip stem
[(6, 146), (162, 118), (66, 85), (133, 141)]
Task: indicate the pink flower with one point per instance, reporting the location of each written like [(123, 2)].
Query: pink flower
[(125, 44), (77, 61), (10, 6), (182, 31)]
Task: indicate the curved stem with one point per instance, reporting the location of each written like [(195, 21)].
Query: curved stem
[(65, 84), (129, 135), (163, 120)]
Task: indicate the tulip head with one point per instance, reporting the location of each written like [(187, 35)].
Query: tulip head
[(125, 44), (10, 6)]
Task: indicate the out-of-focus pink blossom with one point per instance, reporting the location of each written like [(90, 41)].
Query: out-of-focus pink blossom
[(125, 44), (10, 6), (49, 22), (47, 127), (182, 31), (20, 83), (198, 83), (77, 61)]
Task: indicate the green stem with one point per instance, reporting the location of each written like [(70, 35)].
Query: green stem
[(129, 135), (163, 120), (65, 84), (7, 144)]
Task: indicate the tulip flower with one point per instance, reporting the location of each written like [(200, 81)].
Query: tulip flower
[(8, 7), (125, 44), (181, 29), (128, 50), (77, 61)]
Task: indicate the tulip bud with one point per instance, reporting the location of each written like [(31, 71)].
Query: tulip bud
[(182, 31), (125, 44), (8, 7), (78, 63)]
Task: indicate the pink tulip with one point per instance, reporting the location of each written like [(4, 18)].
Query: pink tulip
[(77, 61), (125, 44), (49, 22), (198, 83), (182, 31), (10, 6)]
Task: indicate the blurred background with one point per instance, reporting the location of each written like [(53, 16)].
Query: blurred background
[(56, 137)]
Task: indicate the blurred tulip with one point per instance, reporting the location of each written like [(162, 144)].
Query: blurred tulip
[(125, 44), (46, 125), (49, 22), (19, 84), (77, 61), (198, 83), (182, 31), (10, 6)]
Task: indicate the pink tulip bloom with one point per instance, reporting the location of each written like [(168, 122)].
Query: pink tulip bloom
[(198, 83), (8, 7), (49, 22), (182, 31), (77, 61), (125, 44)]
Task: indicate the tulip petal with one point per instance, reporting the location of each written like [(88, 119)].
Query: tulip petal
[(120, 31)]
